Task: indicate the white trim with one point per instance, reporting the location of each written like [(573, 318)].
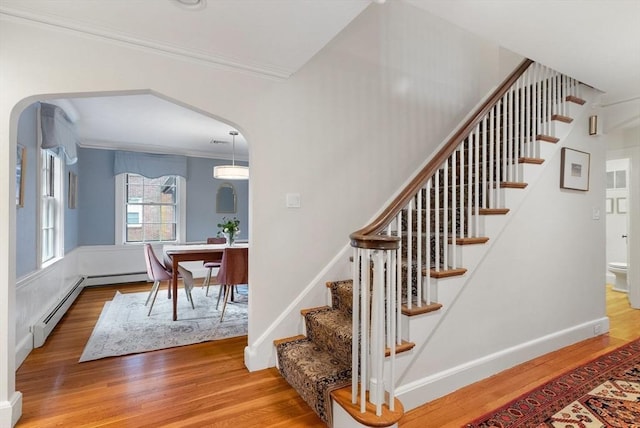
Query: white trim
[(181, 220), (11, 410), (421, 391)]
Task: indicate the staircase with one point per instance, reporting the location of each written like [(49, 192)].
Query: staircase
[(421, 239)]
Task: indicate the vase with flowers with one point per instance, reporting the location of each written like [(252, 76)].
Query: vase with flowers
[(229, 228)]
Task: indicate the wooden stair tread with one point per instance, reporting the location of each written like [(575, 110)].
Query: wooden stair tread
[(342, 396), (403, 347), (512, 185), (471, 240), (576, 100), (561, 118), (277, 342), (418, 310), (547, 138), (445, 273), (493, 211), (536, 161)]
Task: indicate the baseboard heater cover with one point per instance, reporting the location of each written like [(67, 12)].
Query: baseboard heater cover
[(115, 278), (46, 324)]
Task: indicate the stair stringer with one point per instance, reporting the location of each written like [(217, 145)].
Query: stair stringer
[(420, 329)]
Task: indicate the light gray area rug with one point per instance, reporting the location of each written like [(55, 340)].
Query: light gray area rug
[(124, 327)]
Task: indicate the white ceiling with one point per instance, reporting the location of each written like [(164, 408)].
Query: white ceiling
[(596, 41)]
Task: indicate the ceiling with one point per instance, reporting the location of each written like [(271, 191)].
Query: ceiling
[(595, 41)]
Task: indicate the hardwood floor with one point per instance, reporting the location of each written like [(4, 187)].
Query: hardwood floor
[(207, 385)]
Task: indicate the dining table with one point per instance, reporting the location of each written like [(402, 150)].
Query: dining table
[(191, 252)]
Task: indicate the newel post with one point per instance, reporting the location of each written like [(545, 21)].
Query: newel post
[(374, 287)]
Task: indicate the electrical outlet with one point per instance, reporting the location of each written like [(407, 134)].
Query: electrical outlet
[(596, 329)]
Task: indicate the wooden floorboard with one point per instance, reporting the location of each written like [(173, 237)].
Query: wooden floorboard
[(203, 385), (207, 385)]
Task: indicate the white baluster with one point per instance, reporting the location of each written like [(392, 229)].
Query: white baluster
[(409, 243), (364, 329), (437, 221), (476, 180), (428, 241), (419, 250), (454, 205), (492, 145), (445, 213), (355, 325)]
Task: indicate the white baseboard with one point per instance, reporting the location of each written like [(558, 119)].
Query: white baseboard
[(11, 410), (23, 349), (421, 391)]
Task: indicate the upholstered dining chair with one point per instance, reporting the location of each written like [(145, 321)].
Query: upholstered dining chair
[(157, 272), (212, 264), (234, 270)]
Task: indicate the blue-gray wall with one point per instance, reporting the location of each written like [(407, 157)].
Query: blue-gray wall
[(97, 198), (27, 225), (202, 218)]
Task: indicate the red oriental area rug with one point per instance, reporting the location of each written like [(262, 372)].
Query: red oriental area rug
[(602, 393)]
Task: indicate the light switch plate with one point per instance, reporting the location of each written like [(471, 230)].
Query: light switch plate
[(293, 200)]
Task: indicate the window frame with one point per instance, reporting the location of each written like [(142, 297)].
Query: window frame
[(53, 181), (121, 211)]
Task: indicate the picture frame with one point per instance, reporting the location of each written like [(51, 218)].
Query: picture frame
[(621, 205), (73, 190), (574, 169), (21, 168), (609, 205)]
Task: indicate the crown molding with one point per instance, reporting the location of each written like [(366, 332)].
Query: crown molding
[(257, 69)]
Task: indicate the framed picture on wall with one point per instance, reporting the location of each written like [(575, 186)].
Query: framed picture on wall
[(621, 205), (609, 205), (21, 167), (574, 169)]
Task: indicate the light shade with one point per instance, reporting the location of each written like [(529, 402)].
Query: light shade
[(231, 172)]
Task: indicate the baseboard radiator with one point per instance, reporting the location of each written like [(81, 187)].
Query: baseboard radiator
[(46, 324), (115, 278)]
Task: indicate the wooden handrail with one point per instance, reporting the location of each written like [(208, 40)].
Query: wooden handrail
[(368, 237)]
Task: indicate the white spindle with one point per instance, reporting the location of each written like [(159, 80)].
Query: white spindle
[(357, 263), (364, 328), (376, 388), (476, 180), (436, 213), (470, 186), (463, 187), (492, 144), (409, 244), (393, 312), (398, 275), (419, 234), (485, 163), (516, 126), (428, 241), (454, 207), (445, 214)]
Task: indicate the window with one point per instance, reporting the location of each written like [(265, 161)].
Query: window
[(150, 208), (50, 208)]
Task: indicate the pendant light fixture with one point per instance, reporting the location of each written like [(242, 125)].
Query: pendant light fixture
[(233, 171)]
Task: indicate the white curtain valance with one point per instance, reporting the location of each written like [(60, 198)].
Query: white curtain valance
[(58, 133), (149, 165)]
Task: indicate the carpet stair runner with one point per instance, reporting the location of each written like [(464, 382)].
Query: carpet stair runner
[(320, 362)]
